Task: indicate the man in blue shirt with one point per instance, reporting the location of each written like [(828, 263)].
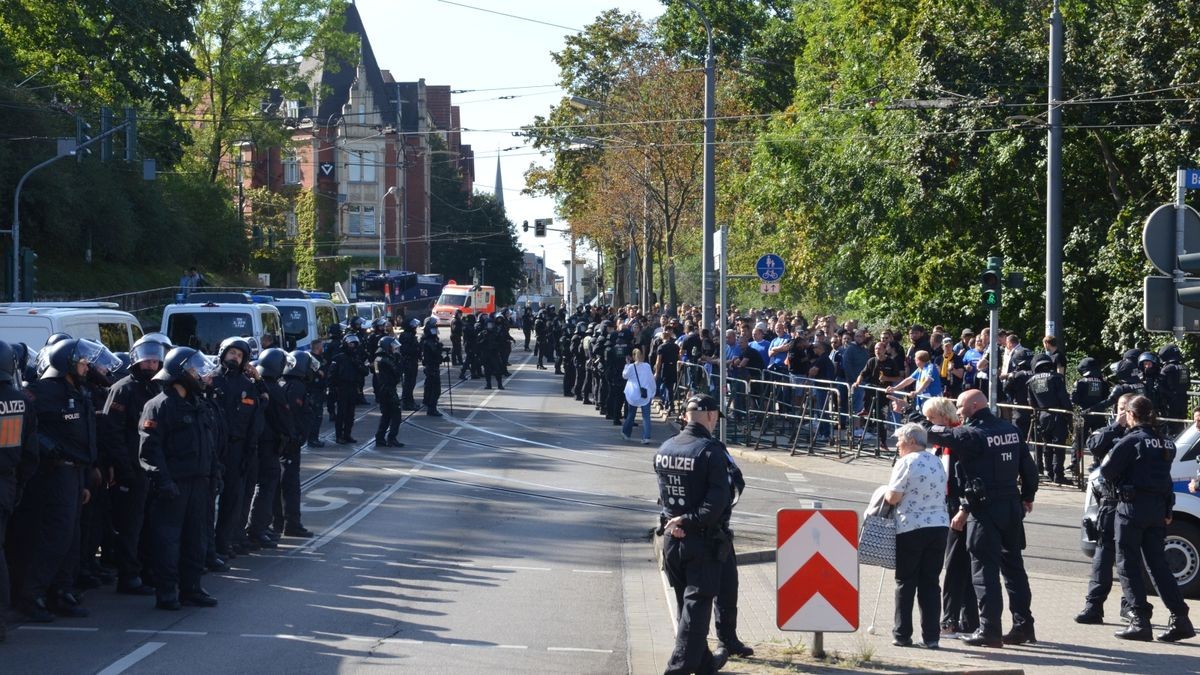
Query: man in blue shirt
[(926, 377), (854, 359), (761, 345), (778, 351)]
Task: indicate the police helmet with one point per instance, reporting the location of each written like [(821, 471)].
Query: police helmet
[(350, 340), (122, 370), (1170, 353), (379, 324), (272, 362), (431, 326), (387, 345), (159, 338), (412, 324), (185, 366), (57, 338), (1042, 363), (336, 330), (234, 343), (299, 365), (147, 350), (1089, 367), (580, 329), (1148, 356), (61, 357), (358, 323), (1125, 371), (1131, 355), (8, 363)]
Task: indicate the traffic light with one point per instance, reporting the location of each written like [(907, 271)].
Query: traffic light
[(989, 285), (83, 134), (1189, 296), (525, 226), (28, 273), (539, 227), (130, 134), (106, 120)]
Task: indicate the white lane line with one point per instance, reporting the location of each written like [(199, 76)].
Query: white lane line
[(147, 631), (124, 663), (402, 641), (520, 567), (796, 477), (62, 629), (512, 647), (273, 636), (579, 649), (592, 571)]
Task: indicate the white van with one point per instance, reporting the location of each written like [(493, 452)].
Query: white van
[(205, 326), (304, 320), (34, 323)]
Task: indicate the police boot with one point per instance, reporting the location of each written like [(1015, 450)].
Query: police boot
[(394, 442), (1091, 615), (1180, 628), (133, 586), (39, 611), (433, 412), (719, 658), (1138, 629), (214, 563), (1020, 635), (198, 598), (69, 605), (316, 443), (981, 639), (168, 600)]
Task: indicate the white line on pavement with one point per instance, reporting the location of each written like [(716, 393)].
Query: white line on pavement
[(147, 631), (592, 571), (669, 595), (520, 567), (579, 649), (64, 629), (124, 663)]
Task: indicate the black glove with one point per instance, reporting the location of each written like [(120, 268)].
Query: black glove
[(169, 491)]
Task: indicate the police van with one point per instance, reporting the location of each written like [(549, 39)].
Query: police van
[(1183, 534), (34, 323), (304, 320), (204, 326)]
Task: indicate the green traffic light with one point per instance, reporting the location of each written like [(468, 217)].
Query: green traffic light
[(991, 299)]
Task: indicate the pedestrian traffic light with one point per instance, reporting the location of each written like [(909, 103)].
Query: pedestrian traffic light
[(989, 285), (28, 273), (83, 134), (1189, 296), (539, 227)]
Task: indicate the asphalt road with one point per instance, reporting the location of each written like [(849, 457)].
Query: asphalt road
[(490, 543)]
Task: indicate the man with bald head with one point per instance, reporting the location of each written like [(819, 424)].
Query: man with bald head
[(997, 479)]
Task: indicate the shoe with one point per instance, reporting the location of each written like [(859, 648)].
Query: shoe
[(488, 387), (168, 601), (351, 440), (1126, 614), (240, 548), (215, 564), (298, 531), (275, 534), (434, 413), (932, 644), (738, 649), (1090, 616), (198, 598), (394, 443), (1020, 636), (382, 443), (316, 443), (500, 387), (719, 657), (134, 586), (646, 441), (1179, 628), (264, 541), (980, 639), (1138, 629), (950, 632), (70, 606), (626, 437), (902, 642), (38, 612), (1061, 480)]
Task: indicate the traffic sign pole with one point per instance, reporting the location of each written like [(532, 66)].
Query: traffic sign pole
[(721, 319), (1180, 245)]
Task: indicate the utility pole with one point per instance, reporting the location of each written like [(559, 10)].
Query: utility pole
[(1054, 236), (708, 299)]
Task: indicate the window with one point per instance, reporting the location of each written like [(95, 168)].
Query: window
[(205, 330), (360, 220), (291, 169), (114, 336), (290, 220), (325, 318), (362, 166), (271, 330)]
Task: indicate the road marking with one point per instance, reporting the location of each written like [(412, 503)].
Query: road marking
[(796, 477), (273, 636), (521, 567), (146, 631), (511, 647), (592, 571), (579, 649), (327, 501), (124, 663), (62, 629)]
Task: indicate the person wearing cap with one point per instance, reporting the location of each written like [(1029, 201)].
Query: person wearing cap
[(964, 341), (694, 490)]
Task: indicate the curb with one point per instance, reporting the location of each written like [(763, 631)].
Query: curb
[(764, 555)]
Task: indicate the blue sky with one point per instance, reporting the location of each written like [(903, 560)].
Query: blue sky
[(473, 49)]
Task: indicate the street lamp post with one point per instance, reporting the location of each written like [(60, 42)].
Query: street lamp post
[(381, 222), (710, 194)]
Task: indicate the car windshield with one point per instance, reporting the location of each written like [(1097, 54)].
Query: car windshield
[(295, 322), (453, 299), (205, 330)]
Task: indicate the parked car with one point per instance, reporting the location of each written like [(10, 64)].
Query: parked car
[(34, 323)]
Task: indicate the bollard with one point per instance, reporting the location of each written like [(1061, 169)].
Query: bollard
[(818, 648)]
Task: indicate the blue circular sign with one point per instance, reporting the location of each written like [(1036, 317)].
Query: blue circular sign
[(769, 267)]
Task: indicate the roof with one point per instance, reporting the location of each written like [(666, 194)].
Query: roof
[(337, 82)]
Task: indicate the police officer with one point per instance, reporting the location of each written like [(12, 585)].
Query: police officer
[(18, 457), (46, 523), (456, 338), (578, 355), (431, 359), (336, 333), (506, 341), (409, 358), (1139, 468), (1048, 390), (616, 356), (489, 353), (1128, 382), (471, 348), (725, 605), (118, 436), (998, 480), (542, 332), (694, 490), (296, 374), (278, 434), (1100, 444), (387, 378), (345, 371), (1175, 380), (527, 324), (1153, 386), (358, 327), (1090, 390), (175, 449), (1016, 390), (566, 355), (317, 384), (238, 397)]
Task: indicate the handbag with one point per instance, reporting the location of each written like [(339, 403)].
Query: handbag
[(877, 539), (641, 390)]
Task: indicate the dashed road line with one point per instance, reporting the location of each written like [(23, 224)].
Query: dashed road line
[(579, 649), (126, 662), (151, 631), (61, 629), (521, 567)]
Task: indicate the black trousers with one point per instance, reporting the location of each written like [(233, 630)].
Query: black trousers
[(995, 538), (44, 543), (390, 415), (568, 377), (919, 555), (410, 383), (1134, 542), (526, 331), (580, 379), (959, 605), (433, 389), (347, 398), (695, 574), (492, 369), (176, 528), (128, 517), (8, 502), (1052, 428), (229, 505), (615, 399), (289, 488), (725, 610), (249, 485), (455, 350), (1105, 555), (313, 422), (262, 503)]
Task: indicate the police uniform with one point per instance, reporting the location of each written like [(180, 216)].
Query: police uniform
[(387, 378), (431, 359), (1139, 469), (1016, 390), (409, 358), (345, 371), (1105, 554), (578, 356), (456, 339), (567, 359), (470, 338), (615, 358), (238, 397), (278, 432), (18, 457), (1176, 381), (317, 384), (993, 460), (725, 610), (1090, 390), (287, 505), (693, 482), (1048, 390), (527, 325), (489, 353)]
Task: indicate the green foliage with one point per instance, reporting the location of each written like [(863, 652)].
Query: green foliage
[(305, 244)]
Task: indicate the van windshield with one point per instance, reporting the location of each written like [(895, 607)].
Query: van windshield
[(454, 300), (295, 324), (205, 330)]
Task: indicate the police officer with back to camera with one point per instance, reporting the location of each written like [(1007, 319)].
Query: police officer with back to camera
[(725, 604), (238, 397), (578, 356), (567, 356), (527, 324), (694, 490), (1175, 381), (1090, 390), (345, 371), (278, 432), (296, 374), (489, 353), (1048, 390), (456, 339), (1016, 390), (409, 357), (541, 330), (431, 359), (46, 533), (1128, 382), (317, 384), (998, 481), (118, 434), (336, 333), (175, 449), (1138, 468), (616, 356), (1100, 444), (387, 377), (18, 457), (470, 348)]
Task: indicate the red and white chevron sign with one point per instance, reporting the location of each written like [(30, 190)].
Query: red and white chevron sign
[(816, 570)]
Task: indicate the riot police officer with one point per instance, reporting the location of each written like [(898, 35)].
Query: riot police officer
[(1128, 382), (1139, 469), (336, 333), (296, 374), (1105, 553), (470, 338), (542, 332), (527, 324), (1016, 390), (238, 396), (1153, 387), (693, 487), (118, 436), (998, 480), (489, 353), (616, 356), (1090, 389), (175, 449), (456, 339), (578, 356), (431, 359), (566, 356), (387, 378), (1175, 381), (409, 358), (345, 371), (1047, 391), (316, 386), (18, 457), (278, 434)]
